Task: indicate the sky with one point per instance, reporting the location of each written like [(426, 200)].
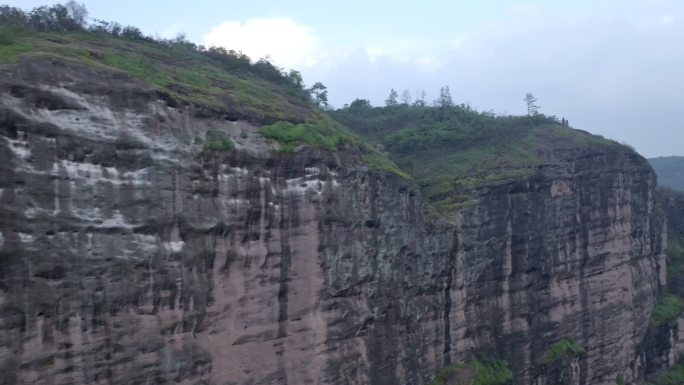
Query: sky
[(611, 67)]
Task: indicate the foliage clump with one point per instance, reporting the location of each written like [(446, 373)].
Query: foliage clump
[(673, 376), (328, 135), (488, 371), (217, 141), (667, 308), (322, 134), (565, 349)]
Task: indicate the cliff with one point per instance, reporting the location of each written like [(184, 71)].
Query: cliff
[(664, 343), (131, 252)]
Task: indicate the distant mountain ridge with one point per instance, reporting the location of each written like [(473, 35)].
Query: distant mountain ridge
[(670, 171)]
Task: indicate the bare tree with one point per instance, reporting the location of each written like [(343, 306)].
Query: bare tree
[(406, 97), (445, 97), (532, 108), (420, 98), (77, 12)]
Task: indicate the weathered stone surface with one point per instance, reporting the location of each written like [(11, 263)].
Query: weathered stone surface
[(130, 257), (663, 345)]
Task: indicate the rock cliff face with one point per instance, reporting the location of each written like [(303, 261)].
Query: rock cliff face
[(664, 343), (128, 256)]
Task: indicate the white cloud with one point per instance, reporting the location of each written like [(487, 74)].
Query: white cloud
[(288, 44), (613, 70)]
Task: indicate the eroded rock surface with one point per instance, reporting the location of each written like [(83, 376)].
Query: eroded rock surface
[(129, 256)]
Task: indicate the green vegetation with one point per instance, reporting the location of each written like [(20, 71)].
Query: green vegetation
[(324, 134), (673, 376), (380, 162), (492, 372), (448, 148), (217, 141), (565, 349), (668, 306), (179, 73), (487, 372), (619, 380), (213, 78)]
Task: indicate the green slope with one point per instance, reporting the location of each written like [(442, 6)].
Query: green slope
[(449, 149), (180, 73), (222, 83)]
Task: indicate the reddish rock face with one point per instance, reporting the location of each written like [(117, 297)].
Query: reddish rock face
[(130, 257)]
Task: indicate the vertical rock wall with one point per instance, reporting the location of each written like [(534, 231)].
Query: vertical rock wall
[(129, 256)]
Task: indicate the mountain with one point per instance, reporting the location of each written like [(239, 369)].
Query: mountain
[(177, 215), (670, 171)]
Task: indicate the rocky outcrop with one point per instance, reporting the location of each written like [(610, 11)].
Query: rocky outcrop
[(129, 255), (664, 343)]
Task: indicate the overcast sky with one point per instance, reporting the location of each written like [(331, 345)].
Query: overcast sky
[(611, 67)]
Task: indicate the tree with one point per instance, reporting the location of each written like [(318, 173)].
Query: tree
[(392, 98), (406, 97), (360, 105), (319, 94), (532, 108), (132, 32), (295, 79), (420, 98), (445, 100), (77, 12), (11, 15)]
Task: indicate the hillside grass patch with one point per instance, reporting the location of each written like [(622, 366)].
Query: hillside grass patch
[(322, 134), (184, 74), (381, 162)]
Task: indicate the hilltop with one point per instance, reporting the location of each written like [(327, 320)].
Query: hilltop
[(450, 149)]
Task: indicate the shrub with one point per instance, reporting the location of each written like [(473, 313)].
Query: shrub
[(565, 349), (488, 372), (673, 376), (217, 141), (8, 34), (321, 134), (667, 308)]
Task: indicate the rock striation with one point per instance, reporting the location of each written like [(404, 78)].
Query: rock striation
[(128, 255)]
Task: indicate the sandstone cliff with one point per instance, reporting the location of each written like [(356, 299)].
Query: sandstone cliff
[(662, 349), (131, 256)]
